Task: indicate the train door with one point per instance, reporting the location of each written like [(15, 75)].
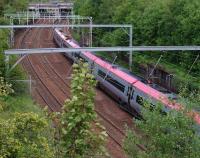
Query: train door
[(92, 67)]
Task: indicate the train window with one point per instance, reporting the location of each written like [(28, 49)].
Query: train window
[(140, 100), (112, 81), (101, 74), (115, 83)]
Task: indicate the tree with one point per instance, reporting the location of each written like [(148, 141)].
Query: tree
[(80, 135), (155, 22), (171, 135), (88, 8)]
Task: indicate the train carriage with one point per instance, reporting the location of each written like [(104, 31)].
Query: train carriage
[(130, 90)]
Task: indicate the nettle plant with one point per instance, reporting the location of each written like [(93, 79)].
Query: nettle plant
[(5, 90), (81, 135)]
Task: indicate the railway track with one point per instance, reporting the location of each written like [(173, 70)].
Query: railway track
[(111, 124), (48, 78), (45, 90)]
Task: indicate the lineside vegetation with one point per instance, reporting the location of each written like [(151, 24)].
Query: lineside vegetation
[(173, 134), (78, 131)]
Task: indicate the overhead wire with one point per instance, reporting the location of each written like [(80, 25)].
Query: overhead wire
[(193, 64), (155, 66), (174, 54), (175, 65)]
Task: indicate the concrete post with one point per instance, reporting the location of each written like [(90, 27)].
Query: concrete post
[(7, 66), (30, 84), (27, 18), (91, 32), (33, 18)]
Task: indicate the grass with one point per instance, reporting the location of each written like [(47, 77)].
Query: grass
[(19, 104)]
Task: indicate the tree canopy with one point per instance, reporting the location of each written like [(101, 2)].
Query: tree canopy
[(155, 22)]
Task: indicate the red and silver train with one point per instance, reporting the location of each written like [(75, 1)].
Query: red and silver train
[(130, 90)]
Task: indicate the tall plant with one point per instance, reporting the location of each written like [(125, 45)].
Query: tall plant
[(80, 135)]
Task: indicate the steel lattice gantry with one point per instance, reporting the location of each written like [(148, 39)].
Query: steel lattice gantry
[(51, 8), (32, 16)]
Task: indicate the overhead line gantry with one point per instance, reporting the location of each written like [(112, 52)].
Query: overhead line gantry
[(25, 52), (135, 49), (123, 26)]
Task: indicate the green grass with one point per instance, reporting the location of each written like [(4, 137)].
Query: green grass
[(19, 104)]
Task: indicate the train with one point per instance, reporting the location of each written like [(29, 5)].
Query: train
[(130, 90)]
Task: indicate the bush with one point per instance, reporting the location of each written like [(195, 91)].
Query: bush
[(171, 135), (24, 136)]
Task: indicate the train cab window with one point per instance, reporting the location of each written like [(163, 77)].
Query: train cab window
[(140, 100), (115, 83)]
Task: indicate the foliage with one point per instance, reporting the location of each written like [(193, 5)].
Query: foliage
[(170, 135), (79, 137), (5, 90), (19, 104), (13, 6), (155, 22), (17, 73), (23, 136)]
